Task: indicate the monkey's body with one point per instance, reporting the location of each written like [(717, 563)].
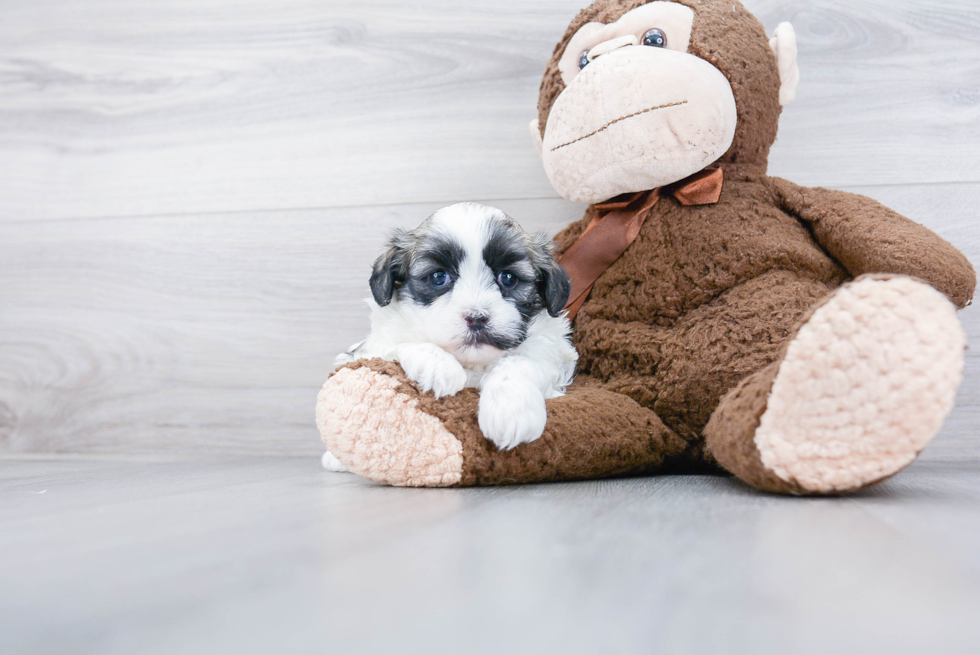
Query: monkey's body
[(709, 294), (783, 333), (717, 300)]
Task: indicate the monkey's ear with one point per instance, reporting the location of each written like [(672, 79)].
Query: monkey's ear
[(389, 270), (536, 135), (783, 44)]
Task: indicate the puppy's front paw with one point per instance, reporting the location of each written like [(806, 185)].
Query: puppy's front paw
[(330, 462), (511, 414), (432, 368)]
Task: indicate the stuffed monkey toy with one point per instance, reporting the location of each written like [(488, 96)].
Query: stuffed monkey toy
[(802, 339)]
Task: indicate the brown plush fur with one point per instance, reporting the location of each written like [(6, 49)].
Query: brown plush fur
[(689, 325), (624, 438)]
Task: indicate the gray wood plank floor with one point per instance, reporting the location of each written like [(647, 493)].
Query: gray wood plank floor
[(274, 556)]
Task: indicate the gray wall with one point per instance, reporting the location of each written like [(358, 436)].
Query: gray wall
[(191, 193)]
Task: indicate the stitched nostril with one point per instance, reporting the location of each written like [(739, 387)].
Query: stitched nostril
[(476, 320)]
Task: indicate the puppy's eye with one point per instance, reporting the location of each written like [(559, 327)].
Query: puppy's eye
[(507, 279), (583, 59), (439, 279), (655, 38)]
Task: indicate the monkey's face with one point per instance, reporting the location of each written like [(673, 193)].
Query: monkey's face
[(638, 110)]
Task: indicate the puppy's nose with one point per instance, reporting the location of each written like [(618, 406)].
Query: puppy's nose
[(476, 321)]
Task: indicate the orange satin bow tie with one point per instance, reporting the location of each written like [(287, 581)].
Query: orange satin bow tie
[(611, 232)]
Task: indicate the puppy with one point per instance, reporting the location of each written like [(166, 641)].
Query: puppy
[(469, 299)]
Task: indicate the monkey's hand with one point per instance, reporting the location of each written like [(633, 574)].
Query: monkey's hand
[(867, 237)]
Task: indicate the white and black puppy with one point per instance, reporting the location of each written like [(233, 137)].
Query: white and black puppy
[(469, 299)]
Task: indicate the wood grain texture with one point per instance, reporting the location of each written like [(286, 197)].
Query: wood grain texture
[(159, 293), (192, 193), (188, 334), (109, 108), (213, 333), (272, 555)]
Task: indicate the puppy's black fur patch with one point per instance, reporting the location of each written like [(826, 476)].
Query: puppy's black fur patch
[(509, 245), (390, 269), (554, 284), (412, 257), (432, 252), (506, 249)]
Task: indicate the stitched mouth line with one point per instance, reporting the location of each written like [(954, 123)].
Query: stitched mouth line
[(621, 118)]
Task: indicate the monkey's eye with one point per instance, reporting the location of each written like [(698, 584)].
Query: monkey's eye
[(507, 279), (655, 38), (583, 59), (439, 279)]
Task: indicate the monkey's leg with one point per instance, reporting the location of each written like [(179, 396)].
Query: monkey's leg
[(857, 393), (383, 428)]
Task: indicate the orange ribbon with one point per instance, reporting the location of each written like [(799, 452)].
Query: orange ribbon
[(610, 233)]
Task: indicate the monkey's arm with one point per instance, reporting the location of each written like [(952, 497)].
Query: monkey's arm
[(867, 237)]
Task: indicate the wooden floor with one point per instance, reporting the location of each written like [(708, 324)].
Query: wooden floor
[(263, 555), (191, 194)]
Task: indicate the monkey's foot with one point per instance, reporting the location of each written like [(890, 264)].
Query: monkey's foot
[(381, 426), (370, 420), (861, 389)]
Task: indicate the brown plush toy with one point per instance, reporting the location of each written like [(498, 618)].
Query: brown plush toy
[(805, 340)]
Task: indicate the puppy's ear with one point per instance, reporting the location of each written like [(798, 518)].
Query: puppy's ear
[(390, 269), (553, 283), (554, 286)]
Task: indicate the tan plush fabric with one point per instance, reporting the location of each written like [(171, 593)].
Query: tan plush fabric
[(864, 385), (684, 337), (672, 18), (726, 35), (854, 396), (783, 44), (382, 427), (376, 429), (615, 122)]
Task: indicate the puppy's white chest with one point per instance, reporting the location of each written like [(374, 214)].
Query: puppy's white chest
[(475, 375)]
